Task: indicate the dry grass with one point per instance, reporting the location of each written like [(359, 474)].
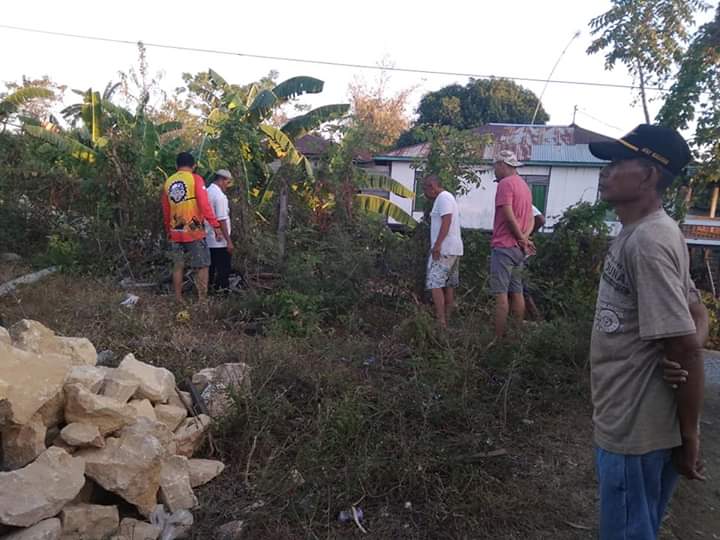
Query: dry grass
[(393, 419)]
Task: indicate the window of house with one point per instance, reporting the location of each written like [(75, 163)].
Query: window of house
[(538, 184)]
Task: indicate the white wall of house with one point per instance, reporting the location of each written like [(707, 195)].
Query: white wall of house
[(567, 187)]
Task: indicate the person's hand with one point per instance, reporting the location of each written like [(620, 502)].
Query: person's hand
[(687, 458), (530, 249), (218, 234), (673, 373), (436, 253), (230, 246)]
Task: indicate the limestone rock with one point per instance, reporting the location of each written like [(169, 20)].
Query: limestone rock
[(77, 434), (128, 466), (5, 336), (204, 470), (227, 380), (181, 399), (60, 443), (90, 377), (29, 381), (203, 377), (106, 413), (132, 529), (190, 435), (34, 337), (53, 412), (22, 444), (49, 529), (146, 427), (119, 385), (86, 493), (175, 490), (156, 384), (85, 521), (143, 408), (41, 489), (230, 531), (170, 415)]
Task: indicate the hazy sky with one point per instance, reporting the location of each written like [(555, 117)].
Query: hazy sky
[(520, 38)]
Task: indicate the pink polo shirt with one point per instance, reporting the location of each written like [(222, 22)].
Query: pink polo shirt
[(511, 191)]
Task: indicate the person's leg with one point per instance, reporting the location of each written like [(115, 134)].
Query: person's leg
[(212, 271), (177, 278), (502, 309), (531, 308), (634, 491), (517, 303), (449, 302), (200, 256), (223, 270), (201, 282), (438, 297)]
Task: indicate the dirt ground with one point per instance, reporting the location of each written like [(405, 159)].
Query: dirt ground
[(551, 462)]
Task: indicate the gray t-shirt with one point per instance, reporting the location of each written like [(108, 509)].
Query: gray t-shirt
[(644, 296)]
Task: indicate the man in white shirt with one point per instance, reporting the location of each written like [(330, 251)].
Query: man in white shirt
[(221, 245), (446, 248)]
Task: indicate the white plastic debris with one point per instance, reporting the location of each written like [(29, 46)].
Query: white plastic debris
[(130, 301)]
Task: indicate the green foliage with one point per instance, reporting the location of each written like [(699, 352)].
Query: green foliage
[(384, 207), (713, 307), (566, 270), (301, 125), (11, 103), (383, 183), (646, 36), (479, 102), (695, 96)]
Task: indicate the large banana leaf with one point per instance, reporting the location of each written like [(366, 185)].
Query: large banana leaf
[(300, 125), (110, 90), (378, 205), (384, 183), (284, 149), (217, 79), (262, 104), (297, 86), (24, 95), (66, 144)]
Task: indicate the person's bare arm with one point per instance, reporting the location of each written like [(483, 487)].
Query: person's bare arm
[(673, 372), (685, 351), (517, 232), (442, 234), (224, 230), (538, 222)]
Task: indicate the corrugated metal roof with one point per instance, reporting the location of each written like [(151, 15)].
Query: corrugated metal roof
[(536, 143)]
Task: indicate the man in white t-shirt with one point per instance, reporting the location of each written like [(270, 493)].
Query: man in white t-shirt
[(221, 245), (446, 248)]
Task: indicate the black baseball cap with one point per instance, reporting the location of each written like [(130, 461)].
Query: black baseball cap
[(661, 145)]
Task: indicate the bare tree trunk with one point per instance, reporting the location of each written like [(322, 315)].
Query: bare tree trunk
[(283, 214), (643, 96)]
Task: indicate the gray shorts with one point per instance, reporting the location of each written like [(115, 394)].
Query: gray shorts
[(445, 272), (196, 253), (506, 270)]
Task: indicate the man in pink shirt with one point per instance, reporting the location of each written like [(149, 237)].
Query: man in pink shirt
[(510, 240)]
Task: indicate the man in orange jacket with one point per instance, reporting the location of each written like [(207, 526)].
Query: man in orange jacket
[(185, 211)]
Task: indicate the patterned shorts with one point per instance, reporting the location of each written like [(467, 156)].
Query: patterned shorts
[(445, 272), (196, 253)]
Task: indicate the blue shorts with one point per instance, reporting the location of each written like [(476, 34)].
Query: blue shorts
[(634, 492)]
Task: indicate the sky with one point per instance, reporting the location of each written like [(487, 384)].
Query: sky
[(515, 38)]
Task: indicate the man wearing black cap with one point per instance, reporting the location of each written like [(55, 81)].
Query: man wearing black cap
[(648, 316)]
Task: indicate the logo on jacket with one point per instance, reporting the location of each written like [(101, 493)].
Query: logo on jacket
[(177, 192)]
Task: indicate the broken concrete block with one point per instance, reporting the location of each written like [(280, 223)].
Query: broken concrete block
[(77, 434), (22, 444), (84, 521), (170, 415), (81, 350), (175, 490), (146, 427), (204, 470), (34, 337), (190, 435), (87, 408), (156, 384), (41, 489), (128, 466)]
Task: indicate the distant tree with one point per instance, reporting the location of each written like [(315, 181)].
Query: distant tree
[(647, 36), (477, 103), (378, 117), (695, 97)]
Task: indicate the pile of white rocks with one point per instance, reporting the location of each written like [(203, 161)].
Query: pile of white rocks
[(72, 431)]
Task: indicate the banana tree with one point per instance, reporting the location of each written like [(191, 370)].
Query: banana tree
[(11, 104), (380, 205)]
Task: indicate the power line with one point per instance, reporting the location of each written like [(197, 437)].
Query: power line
[(321, 62)]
